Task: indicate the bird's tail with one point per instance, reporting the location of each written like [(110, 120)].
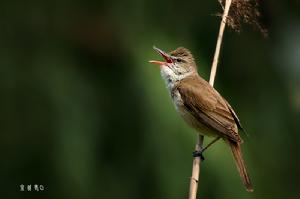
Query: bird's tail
[(237, 153)]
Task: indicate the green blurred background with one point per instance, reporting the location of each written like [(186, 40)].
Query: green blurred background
[(85, 115)]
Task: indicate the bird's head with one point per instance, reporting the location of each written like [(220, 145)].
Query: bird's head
[(177, 64)]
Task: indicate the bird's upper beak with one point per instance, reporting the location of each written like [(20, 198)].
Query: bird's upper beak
[(165, 55)]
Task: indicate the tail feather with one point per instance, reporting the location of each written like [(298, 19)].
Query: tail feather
[(236, 151)]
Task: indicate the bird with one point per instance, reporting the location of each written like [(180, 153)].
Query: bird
[(200, 105)]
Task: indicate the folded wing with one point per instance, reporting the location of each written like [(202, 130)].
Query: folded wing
[(208, 106)]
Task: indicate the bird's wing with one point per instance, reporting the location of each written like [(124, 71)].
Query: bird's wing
[(208, 106), (234, 115)]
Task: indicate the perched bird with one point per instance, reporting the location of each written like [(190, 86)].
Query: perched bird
[(200, 105)]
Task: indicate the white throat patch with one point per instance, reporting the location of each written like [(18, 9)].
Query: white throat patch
[(170, 77)]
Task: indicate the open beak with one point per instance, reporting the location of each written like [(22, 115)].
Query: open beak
[(165, 55)]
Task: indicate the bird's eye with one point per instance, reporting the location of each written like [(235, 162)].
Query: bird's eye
[(179, 60)]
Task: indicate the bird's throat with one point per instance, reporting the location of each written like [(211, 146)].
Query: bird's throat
[(171, 79)]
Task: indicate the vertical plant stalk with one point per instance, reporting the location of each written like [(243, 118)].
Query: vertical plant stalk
[(197, 161), (219, 43), (196, 169)]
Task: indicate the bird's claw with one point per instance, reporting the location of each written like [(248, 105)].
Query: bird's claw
[(198, 154)]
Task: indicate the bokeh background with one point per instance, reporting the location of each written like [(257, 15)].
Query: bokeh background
[(85, 115)]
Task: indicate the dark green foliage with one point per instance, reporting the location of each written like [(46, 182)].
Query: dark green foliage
[(85, 115)]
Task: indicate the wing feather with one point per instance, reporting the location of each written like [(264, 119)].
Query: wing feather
[(208, 106)]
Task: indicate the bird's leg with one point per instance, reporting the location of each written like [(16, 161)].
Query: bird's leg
[(200, 153), (211, 143)]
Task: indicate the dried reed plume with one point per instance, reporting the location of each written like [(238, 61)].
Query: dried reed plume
[(244, 12)]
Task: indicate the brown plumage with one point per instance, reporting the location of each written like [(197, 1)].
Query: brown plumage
[(208, 107), (200, 105)]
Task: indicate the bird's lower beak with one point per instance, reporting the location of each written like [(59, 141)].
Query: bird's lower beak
[(165, 55)]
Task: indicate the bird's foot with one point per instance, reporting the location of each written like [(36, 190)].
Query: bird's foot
[(199, 154)]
